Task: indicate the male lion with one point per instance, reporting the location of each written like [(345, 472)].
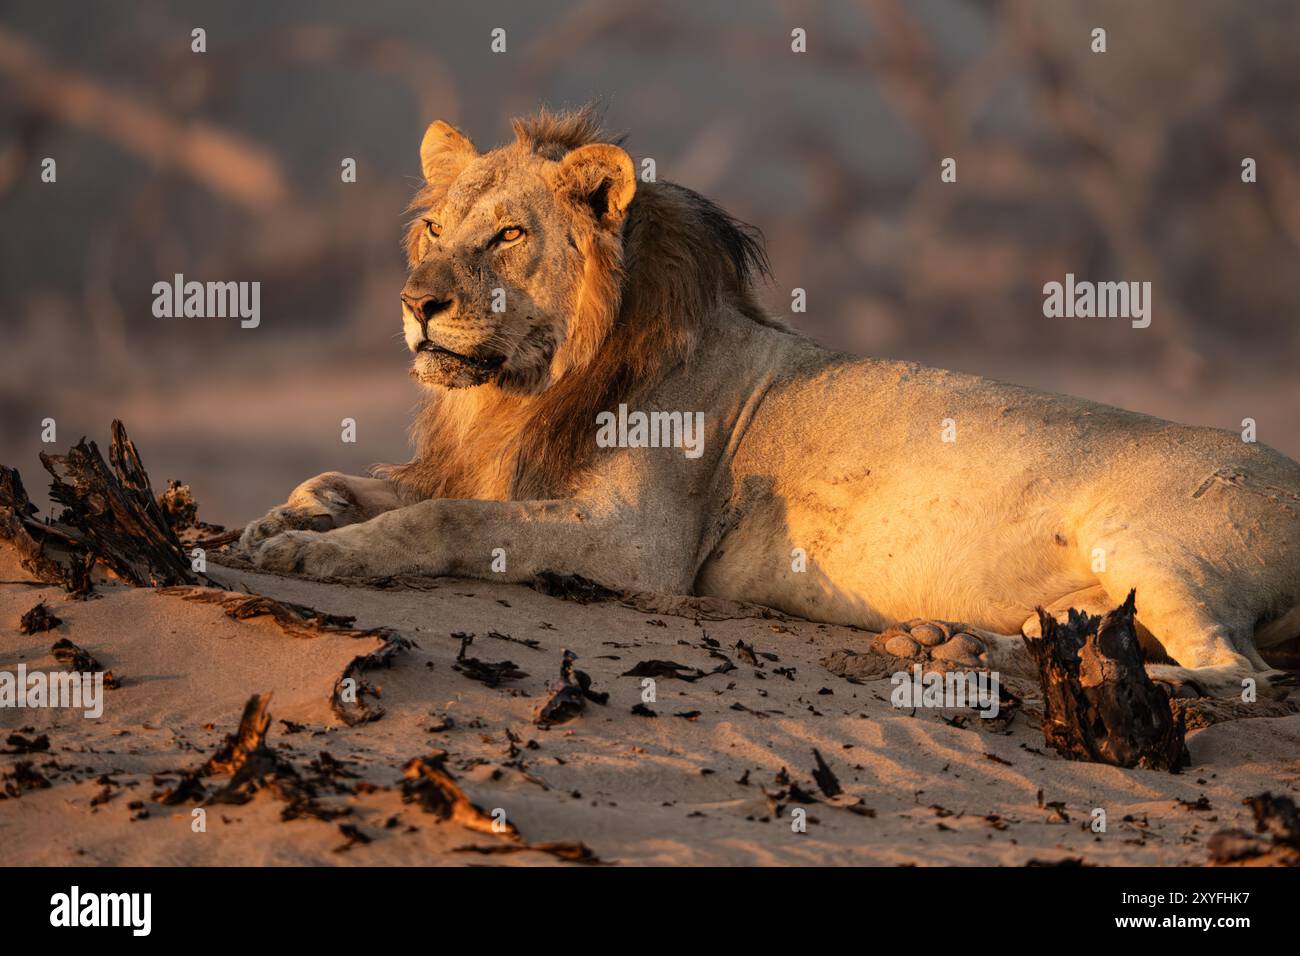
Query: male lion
[(548, 286)]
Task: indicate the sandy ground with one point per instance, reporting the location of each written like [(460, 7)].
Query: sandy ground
[(663, 790)]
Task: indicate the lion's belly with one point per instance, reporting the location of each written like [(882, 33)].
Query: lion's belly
[(872, 556)]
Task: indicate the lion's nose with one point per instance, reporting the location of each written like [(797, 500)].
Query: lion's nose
[(427, 306)]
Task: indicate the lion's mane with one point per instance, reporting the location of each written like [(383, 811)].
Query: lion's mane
[(638, 315)]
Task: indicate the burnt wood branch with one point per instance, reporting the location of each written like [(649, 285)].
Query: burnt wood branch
[(492, 673), (253, 766), (182, 513), (429, 784), (110, 516), (248, 738), (114, 515), (1099, 705), (178, 504), (570, 851), (353, 709), (78, 659), (569, 695), (295, 620), (18, 526), (38, 619), (1275, 842)]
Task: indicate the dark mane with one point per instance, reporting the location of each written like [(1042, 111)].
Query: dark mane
[(682, 255), (552, 135)]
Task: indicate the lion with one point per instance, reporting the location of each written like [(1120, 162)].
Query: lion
[(554, 300)]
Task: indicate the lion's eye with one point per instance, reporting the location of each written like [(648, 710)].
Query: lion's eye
[(509, 234), (432, 229)]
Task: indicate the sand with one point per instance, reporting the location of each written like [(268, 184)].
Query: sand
[(921, 787)]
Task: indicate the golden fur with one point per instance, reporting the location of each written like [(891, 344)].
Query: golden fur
[(638, 315)]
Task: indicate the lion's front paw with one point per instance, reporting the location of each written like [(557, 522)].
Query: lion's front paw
[(277, 521), (313, 553), (318, 504)]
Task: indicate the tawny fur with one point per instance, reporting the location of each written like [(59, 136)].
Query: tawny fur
[(641, 293)]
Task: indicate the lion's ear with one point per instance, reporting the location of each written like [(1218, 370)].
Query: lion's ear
[(444, 145), (601, 177)]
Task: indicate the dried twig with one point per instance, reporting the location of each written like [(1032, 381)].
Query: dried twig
[(430, 784)]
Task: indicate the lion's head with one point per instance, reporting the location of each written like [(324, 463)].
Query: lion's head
[(499, 256), (547, 284)]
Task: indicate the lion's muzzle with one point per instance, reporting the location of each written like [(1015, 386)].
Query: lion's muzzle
[(435, 365)]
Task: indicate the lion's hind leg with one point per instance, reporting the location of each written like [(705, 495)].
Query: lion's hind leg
[(1213, 657)]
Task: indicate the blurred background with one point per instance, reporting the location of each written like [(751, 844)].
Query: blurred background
[(225, 165)]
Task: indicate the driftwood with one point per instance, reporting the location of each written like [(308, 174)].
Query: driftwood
[(38, 619), (352, 708), (429, 784), (18, 526), (569, 695), (491, 673), (248, 740), (182, 511), (1275, 842), (114, 515), (110, 517), (79, 659), (295, 620), (569, 851), (253, 766), (1098, 703)]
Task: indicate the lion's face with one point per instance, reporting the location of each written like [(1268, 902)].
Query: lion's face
[(498, 259)]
